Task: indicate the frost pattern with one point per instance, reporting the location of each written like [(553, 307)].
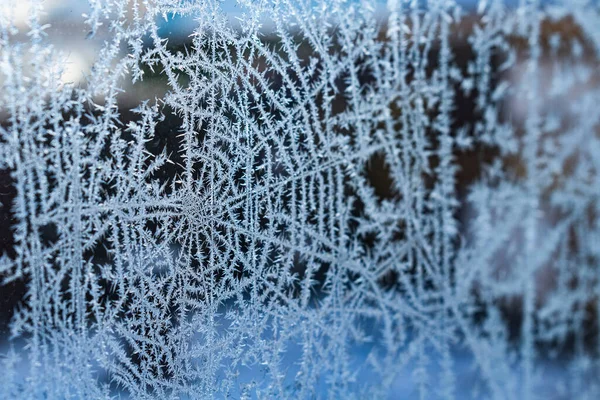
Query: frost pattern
[(232, 237)]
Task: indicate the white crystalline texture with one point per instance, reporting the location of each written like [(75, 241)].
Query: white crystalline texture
[(301, 199)]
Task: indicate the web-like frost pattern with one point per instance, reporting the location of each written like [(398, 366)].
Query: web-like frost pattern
[(305, 211)]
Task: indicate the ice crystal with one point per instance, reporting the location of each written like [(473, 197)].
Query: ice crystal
[(314, 198)]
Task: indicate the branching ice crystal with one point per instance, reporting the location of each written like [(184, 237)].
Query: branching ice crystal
[(315, 199)]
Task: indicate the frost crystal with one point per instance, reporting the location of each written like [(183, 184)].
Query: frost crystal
[(303, 199)]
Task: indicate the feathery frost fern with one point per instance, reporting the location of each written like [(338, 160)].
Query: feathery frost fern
[(302, 209)]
